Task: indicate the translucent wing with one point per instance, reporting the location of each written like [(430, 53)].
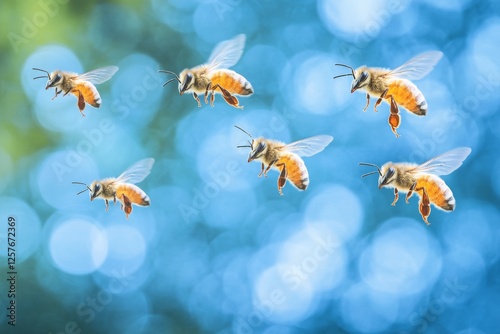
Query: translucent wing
[(445, 163), (227, 53), (417, 67), (309, 146), (99, 75), (137, 172)]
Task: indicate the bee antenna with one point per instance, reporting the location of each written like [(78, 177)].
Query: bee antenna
[(169, 81), (371, 165), (88, 188), (249, 145), (345, 75), (249, 135), (370, 173), (42, 76)]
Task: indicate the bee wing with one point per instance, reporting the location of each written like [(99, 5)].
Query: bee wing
[(417, 67), (99, 75), (309, 146), (137, 172), (445, 163), (227, 53)]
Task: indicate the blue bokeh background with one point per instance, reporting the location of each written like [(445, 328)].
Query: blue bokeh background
[(218, 250)]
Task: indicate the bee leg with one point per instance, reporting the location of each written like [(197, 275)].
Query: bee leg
[(410, 192), (81, 103), (379, 101), (107, 204), (206, 94), (212, 97), (57, 93), (424, 205), (195, 96), (230, 99), (394, 117), (396, 196), (261, 170), (367, 101), (269, 167), (127, 206), (282, 178)]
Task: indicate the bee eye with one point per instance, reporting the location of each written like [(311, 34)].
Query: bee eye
[(390, 172), (189, 78), (260, 148), (257, 153), (363, 76), (97, 189), (57, 78), (187, 82)]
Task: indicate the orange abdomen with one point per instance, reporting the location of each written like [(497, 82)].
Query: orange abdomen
[(408, 96), (134, 194), (89, 93), (439, 193), (296, 170), (232, 82)]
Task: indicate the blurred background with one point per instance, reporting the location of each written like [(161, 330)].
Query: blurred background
[(219, 250)]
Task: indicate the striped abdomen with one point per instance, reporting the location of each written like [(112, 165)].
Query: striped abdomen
[(439, 193), (89, 93), (296, 170), (134, 194), (233, 82), (408, 96)]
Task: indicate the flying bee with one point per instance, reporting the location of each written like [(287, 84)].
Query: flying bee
[(80, 85), (423, 179), (394, 86), (123, 187), (214, 76), (286, 158)]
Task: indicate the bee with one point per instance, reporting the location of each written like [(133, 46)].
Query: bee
[(80, 85), (423, 179), (286, 158), (394, 86), (214, 76), (123, 187)]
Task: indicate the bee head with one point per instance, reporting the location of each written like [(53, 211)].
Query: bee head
[(186, 81), (387, 173), (53, 78), (359, 76), (387, 176), (361, 79), (258, 147), (95, 190)]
